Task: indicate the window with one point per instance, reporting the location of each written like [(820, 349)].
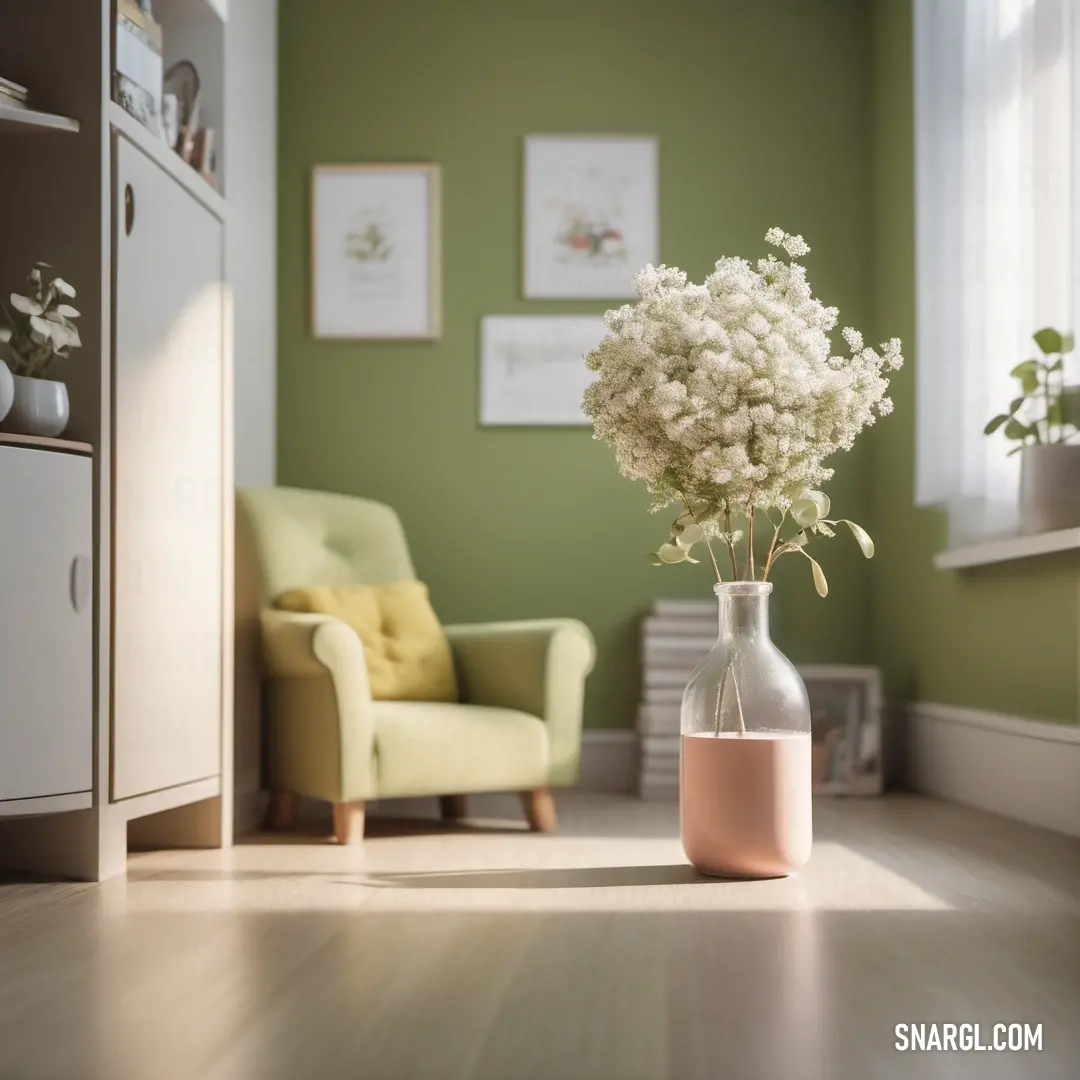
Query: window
[(997, 238)]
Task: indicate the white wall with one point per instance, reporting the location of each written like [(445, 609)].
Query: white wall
[(250, 155), (250, 158)]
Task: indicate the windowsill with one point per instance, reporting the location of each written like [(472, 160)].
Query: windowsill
[(1008, 549)]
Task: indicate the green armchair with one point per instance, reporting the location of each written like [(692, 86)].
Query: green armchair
[(518, 727)]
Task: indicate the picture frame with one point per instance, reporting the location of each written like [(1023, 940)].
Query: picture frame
[(375, 252), (532, 369), (846, 721), (591, 214)]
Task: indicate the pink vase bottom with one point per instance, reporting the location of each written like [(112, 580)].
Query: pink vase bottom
[(745, 803)]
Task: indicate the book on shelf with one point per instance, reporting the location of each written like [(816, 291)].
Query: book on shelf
[(699, 608), (664, 654), (668, 694), (662, 791), (673, 676), (658, 719), (673, 626), (13, 95), (139, 67), (660, 746), (147, 25)]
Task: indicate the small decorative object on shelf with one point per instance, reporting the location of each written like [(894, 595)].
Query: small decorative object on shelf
[(13, 95), (725, 399), (1044, 421), (7, 382), (40, 329), (139, 47)]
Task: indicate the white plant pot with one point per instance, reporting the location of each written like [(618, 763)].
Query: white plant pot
[(1049, 488), (7, 389), (40, 407)]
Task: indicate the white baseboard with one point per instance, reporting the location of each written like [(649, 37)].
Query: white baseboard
[(1028, 770), (610, 758)]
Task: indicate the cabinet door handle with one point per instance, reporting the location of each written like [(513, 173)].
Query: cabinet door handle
[(80, 582), (129, 209)]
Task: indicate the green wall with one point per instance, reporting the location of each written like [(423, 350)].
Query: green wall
[(1005, 637), (763, 113)]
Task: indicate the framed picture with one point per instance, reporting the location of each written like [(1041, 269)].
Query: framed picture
[(591, 217), (375, 252), (845, 723), (532, 368)]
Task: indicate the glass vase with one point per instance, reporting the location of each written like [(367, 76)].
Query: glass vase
[(745, 768)]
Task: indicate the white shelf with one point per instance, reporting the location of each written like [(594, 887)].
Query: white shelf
[(14, 119), (1008, 549), (156, 149), (40, 442)]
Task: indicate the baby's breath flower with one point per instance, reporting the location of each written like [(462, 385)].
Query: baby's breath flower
[(727, 393)]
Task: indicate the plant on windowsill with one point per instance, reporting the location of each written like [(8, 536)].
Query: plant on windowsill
[(1044, 422), (40, 330), (725, 398)]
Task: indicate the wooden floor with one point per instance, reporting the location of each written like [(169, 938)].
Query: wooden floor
[(483, 951)]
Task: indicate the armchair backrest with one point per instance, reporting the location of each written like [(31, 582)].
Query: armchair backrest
[(307, 538)]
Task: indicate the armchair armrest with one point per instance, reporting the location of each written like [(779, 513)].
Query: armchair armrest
[(322, 730), (538, 667)]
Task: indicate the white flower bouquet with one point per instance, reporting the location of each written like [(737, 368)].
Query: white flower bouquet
[(725, 398)]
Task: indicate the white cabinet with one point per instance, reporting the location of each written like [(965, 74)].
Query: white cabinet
[(46, 629), (168, 451)]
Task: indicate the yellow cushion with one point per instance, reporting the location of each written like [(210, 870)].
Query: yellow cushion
[(408, 656)]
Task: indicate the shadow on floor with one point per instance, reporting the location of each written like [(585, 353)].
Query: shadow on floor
[(587, 877)]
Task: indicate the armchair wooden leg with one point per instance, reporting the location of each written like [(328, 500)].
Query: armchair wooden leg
[(283, 809), (349, 822), (539, 809), (453, 807)]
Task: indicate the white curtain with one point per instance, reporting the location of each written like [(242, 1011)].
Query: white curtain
[(997, 105)]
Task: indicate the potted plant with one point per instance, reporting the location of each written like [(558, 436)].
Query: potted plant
[(40, 329), (724, 399), (1044, 422)]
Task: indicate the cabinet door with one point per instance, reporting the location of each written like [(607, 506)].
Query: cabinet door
[(46, 643), (167, 482)]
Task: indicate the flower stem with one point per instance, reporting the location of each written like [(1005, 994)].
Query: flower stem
[(712, 557), (729, 670), (750, 542), (772, 546), (730, 543)]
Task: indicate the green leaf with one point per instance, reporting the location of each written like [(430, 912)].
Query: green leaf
[(1015, 404), (689, 535), (1015, 450), (1026, 366), (1070, 406), (805, 512), (1054, 413), (820, 583), (25, 305), (1049, 341), (862, 537), (1067, 343), (1029, 382), (1015, 430), (823, 503), (1057, 365), (995, 424), (669, 554)]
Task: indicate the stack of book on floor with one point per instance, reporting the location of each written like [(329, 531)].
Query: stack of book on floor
[(675, 637)]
